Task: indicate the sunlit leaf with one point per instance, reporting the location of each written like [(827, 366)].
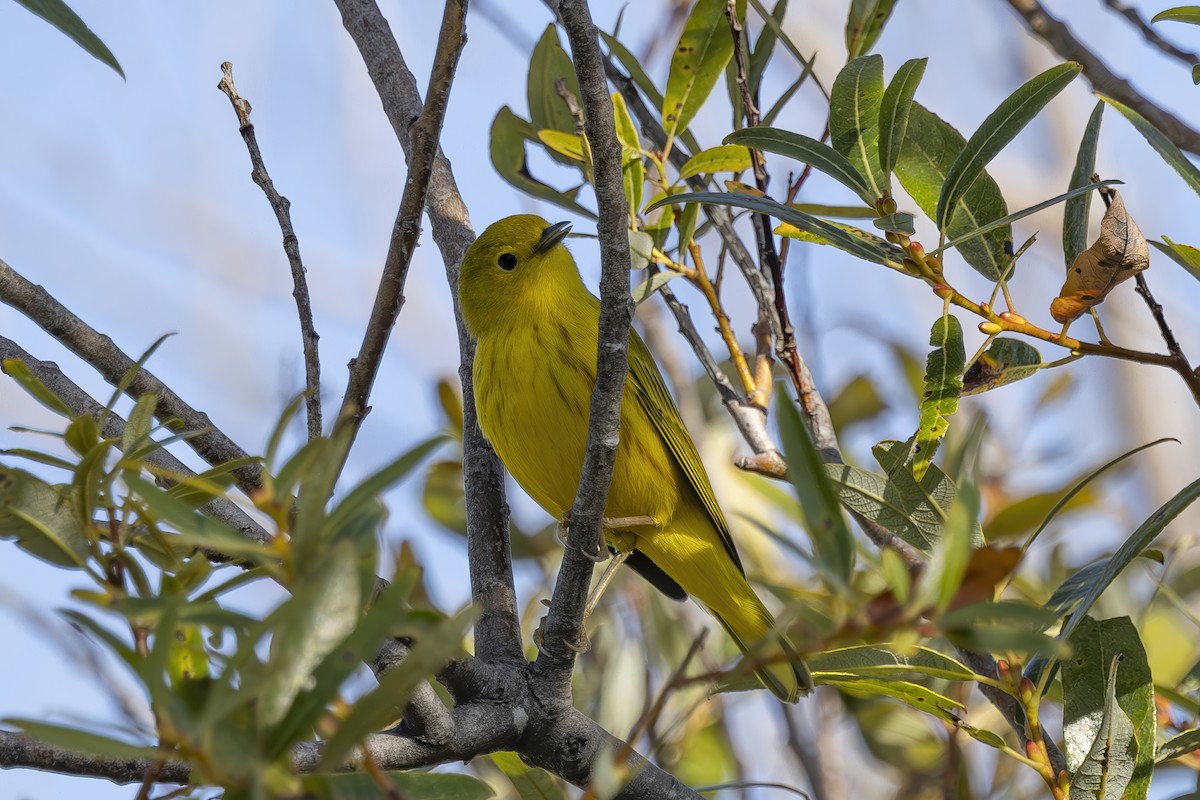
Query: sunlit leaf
[(699, 59), (854, 102), (944, 368), (1075, 214), (806, 150)]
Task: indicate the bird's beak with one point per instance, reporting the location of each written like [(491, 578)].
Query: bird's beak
[(551, 236)]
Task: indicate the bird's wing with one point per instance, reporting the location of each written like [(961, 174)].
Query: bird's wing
[(652, 395)]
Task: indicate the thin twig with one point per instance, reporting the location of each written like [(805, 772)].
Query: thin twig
[(389, 298), (1054, 33), (497, 629), (99, 351), (291, 247), (564, 621), (1149, 34)]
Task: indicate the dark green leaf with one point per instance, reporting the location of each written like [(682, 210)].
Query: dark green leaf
[(1005, 361), (508, 136), (422, 785), (865, 23), (59, 14), (995, 627), (806, 150), (823, 517), (930, 147), (1165, 148), (899, 222), (1013, 114), (894, 111), (854, 103), (704, 49), (548, 64), (1075, 215), (943, 384), (765, 46)]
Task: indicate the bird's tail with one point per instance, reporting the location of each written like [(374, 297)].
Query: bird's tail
[(779, 665)]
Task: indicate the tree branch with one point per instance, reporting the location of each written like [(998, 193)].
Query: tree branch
[(1149, 34), (1054, 33), (99, 351), (564, 622), (80, 402), (291, 247), (498, 628)]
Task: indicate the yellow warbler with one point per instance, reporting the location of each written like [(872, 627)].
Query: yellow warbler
[(535, 366)]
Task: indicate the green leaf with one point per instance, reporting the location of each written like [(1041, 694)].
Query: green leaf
[(1165, 148), (724, 158), (819, 505), (888, 660), (529, 782), (1075, 215), (42, 518), (79, 741), (141, 420), (913, 694), (1188, 14), (385, 703), (1008, 219), (1005, 361), (323, 610), (1178, 746), (704, 48), (997, 131), (995, 627), (854, 241), (507, 146), (19, 371), (1184, 255), (900, 222), (1138, 541), (627, 131), (568, 145), (806, 150), (422, 785), (857, 401), (58, 14), (865, 23), (894, 110), (548, 64), (943, 577), (943, 384), (929, 148), (764, 47), (646, 289), (854, 103), (934, 494), (370, 489), (1108, 710)]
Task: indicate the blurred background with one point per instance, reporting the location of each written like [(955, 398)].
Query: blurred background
[(131, 202)]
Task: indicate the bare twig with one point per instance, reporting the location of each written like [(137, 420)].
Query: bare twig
[(564, 622), (389, 298), (1149, 34), (1054, 33), (291, 247), (497, 629)]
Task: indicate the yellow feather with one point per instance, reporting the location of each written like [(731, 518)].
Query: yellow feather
[(535, 324)]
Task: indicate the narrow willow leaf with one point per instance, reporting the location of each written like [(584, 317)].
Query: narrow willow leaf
[(1180, 745), (1108, 675), (42, 518), (1006, 221), (1006, 625), (913, 694), (943, 576), (704, 48), (19, 371), (627, 131), (60, 15), (1165, 148), (900, 222), (507, 146), (1005, 361), (644, 83), (823, 516), (765, 46), (1188, 14), (724, 158), (806, 150), (894, 111), (889, 660), (79, 741), (848, 234), (865, 23), (1013, 114), (141, 419), (1075, 214), (1138, 541), (633, 181), (646, 289), (854, 102), (381, 481), (548, 64), (1184, 255), (943, 384), (423, 785), (930, 147), (859, 243), (530, 783)]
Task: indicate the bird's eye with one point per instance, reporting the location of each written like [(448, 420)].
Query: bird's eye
[(508, 262)]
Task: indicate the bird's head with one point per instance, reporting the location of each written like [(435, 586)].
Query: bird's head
[(515, 267)]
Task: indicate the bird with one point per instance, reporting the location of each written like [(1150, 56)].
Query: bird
[(535, 325)]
